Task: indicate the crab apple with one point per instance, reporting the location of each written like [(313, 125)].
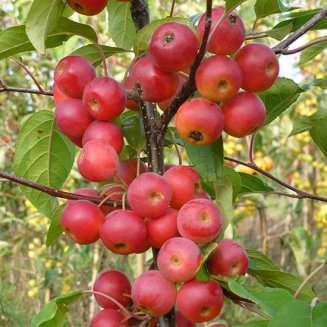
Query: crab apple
[(178, 259), (130, 103), (97, 161), (153, 293), (104, 98), (259, 66), (229, 258), (106, 132), (182, 321), (199, 220), (149, 195), (58, 95), (115, 284), (169, 39), (153, 84), (71, 75), (112, 192), (218, 78), (72, 117), (127, 171), (185, 184), (162, 228), (87, 191), (87, 7), (243, 114), (123, 232), (81, 221), (108, 318), (76, 140), (230, 34), (199, 121), (200, 301), (219, 325)]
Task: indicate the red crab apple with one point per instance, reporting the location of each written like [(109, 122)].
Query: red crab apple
[(200, 301), (123, 232), (115, 284), (151, 82), (162, 228), (182, 321), (243, 114), (199, 121), (112, 192), (199, 220), (153, 293), (127, 171), (106, 132), (87, 7), (229, 258), (87, 191), (218, 78), (71, 75), (168, 40), (81, 221), (259, 66), (58, 95), (97, 161), (185, 183), (229, 35), (178, 259), (130, 103), (219, 325), (108, 318), (104, 98), (72, 118), (149, 195)]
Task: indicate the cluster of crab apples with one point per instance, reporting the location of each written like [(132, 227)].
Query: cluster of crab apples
[(170, 213)]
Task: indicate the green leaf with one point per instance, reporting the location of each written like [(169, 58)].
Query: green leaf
[(207, 159), (259, 261), (42, 18), (224, 199), (318, 133), (258, 323), (91, 53), (55, 229), (252, 184), (319, 316), (54, 312), (43, 155), (264, 8), (143, 36), (280, 32), (311, 52), (280, 279), (279, 97), (270, 300), (293, 314), (132, 128), (233, 4), (202, 274), (121, 26), (235, 180)]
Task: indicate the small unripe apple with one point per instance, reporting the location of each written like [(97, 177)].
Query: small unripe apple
[(81, 221), (243, 114), (179, 259), (229, 259), (71, 75), (199, 121), (87, 7), (168, 40), (230, 34), (98, 161), (200, 301), (115, 284), (153, 293), (259, 65), (149, 195), (104, 98)]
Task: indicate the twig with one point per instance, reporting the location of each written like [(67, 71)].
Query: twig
[(305, 46), (140, 13), (5, 88), (282, 46), (298, 291)]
